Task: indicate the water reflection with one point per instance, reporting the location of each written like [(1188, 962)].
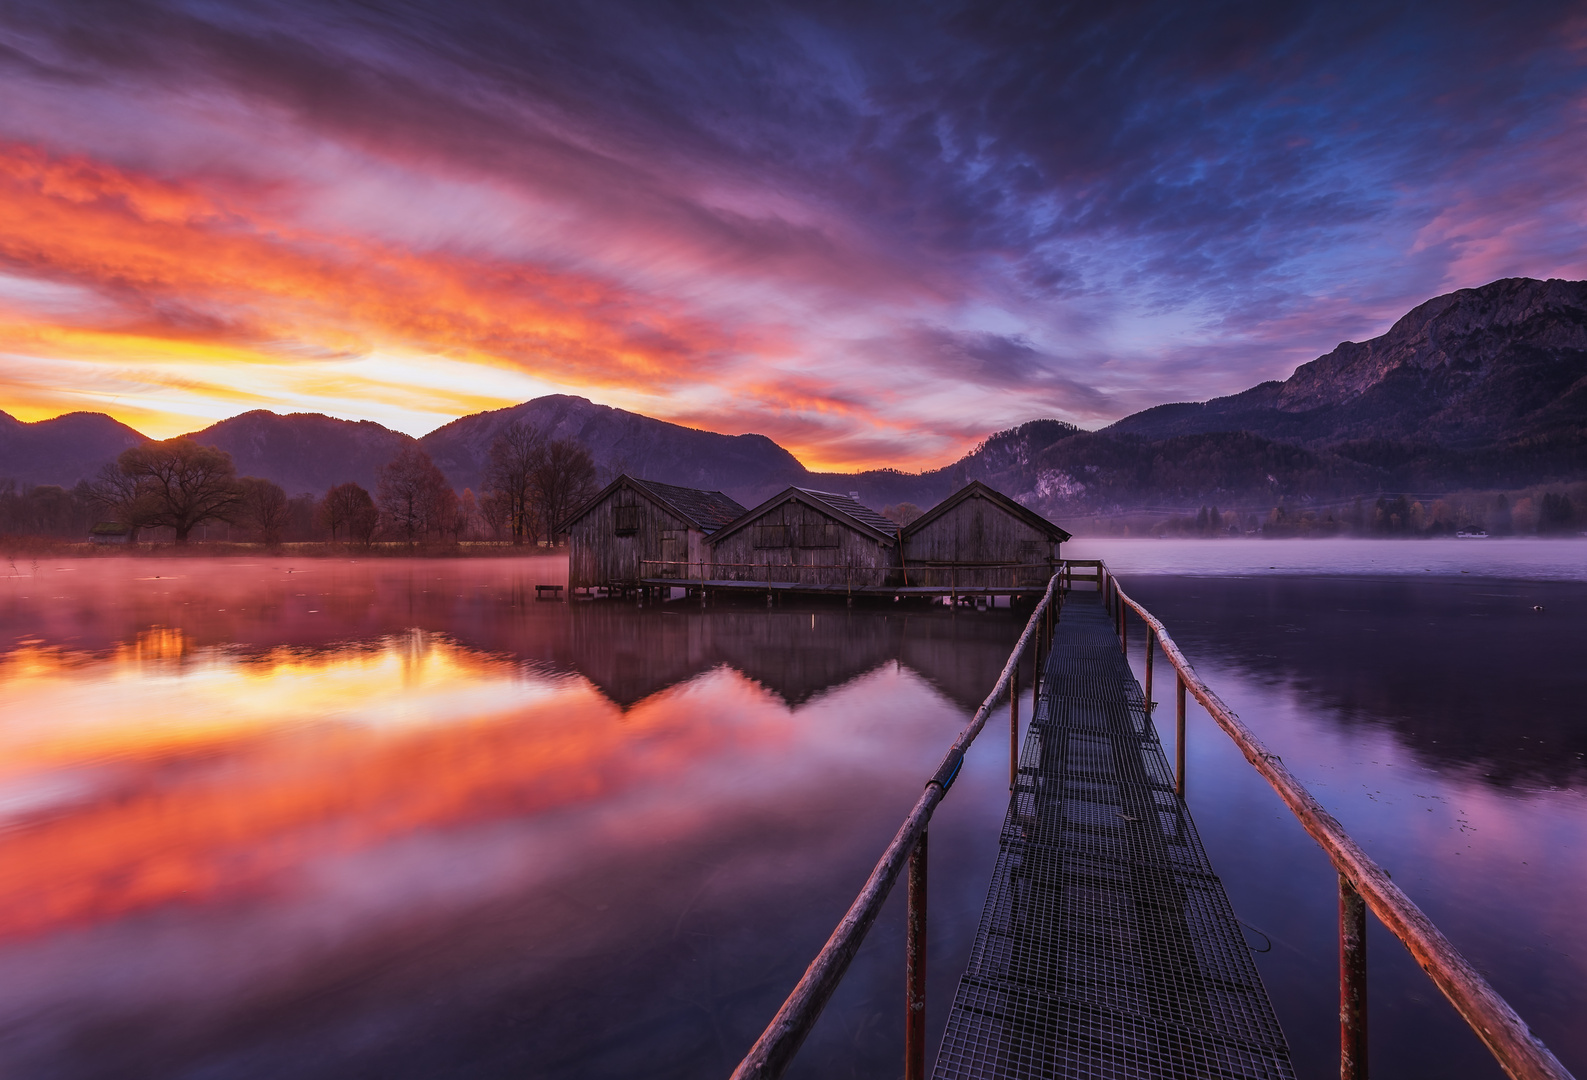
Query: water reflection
[(400, 819), (406, 821), (1467, 673)]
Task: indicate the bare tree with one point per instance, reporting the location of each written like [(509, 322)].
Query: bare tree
[(495, 514), (119, 495), (343, 508), (180, 484), (265, 508), (467, 515), (515, 456), (414, 495), (902, 513), (563, 481)]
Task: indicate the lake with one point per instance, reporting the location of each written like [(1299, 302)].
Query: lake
[(397, 818)]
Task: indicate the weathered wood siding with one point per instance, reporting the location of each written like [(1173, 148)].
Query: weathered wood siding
[(607, 546), (978, 544), (795, 542)]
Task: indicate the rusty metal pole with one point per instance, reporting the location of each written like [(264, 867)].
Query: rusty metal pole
[(1035, 671), (915, 967), (1179, 736), (1013, 728), (1352, 983), (1151, 643)]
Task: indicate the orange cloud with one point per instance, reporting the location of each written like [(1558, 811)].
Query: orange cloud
[(183, 271)]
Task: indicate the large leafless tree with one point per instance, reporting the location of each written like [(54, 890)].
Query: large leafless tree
[(563, 481), (348, 510), (515, 456), (415, 498), (265, 508), (176, 483)]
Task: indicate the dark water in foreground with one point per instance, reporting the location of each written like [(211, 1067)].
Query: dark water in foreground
[(400, 820)]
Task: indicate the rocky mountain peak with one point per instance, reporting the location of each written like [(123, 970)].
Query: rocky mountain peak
[(1462, 331)]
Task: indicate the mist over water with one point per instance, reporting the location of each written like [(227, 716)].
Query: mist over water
[(398, 818)]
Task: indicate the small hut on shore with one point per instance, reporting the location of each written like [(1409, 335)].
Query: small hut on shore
[(980, 538), (812, 539), (637, 529)]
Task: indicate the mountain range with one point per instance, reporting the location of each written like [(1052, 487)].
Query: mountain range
[(1480, 388)]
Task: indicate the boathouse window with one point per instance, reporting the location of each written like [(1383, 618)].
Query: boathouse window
[(771, 536), (625, 520), (1033, 551), (818, 536)]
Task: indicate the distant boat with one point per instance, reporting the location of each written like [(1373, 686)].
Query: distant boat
[(1472, 534)]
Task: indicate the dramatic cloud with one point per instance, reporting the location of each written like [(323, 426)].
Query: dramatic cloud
[(873, 232)]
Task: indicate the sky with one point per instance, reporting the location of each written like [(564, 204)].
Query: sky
[(874, 232)]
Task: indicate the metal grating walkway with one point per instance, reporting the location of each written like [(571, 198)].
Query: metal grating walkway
[(1107, 947)]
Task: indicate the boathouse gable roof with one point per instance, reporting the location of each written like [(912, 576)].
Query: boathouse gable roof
[(977, 490), (848, 511), (706, 511)]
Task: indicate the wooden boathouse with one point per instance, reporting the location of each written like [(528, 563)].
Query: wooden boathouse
[(979, 539), (637, 529), (809, 539)]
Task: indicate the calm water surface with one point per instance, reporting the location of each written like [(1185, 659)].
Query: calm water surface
[(399, 819)]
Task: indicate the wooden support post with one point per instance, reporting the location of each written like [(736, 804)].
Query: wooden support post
[(1352, 983), (1124, 641), (1151, 647), (1179, 735), (1013, 727), (915, 967)]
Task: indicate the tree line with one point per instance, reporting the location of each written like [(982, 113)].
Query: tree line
[(532, 483)]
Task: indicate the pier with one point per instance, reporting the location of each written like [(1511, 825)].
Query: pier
[(1107, 947)]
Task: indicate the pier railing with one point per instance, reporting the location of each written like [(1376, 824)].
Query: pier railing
[(1363, 885), (777, 1045)]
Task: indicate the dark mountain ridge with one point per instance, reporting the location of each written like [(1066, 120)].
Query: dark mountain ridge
[(305, 452), (747, 467), (1474, 369), (1481, 388), (61, 450)]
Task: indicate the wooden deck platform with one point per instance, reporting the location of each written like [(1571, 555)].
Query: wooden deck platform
[(1107, 947), (802, 588)]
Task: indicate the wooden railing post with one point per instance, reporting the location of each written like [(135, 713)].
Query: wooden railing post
[(1013, 729), (1179, 736), (915, 967), (1352, 983), (1124, 641), (1151, 647)]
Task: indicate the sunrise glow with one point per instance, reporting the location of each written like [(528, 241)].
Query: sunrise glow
[(201, 214)]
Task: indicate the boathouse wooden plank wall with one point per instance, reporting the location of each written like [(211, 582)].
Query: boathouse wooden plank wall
[(641, 529), (795, 537), (980, 538)]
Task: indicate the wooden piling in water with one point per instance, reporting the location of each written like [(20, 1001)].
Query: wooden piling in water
[(1352, 983), (915, 967)]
